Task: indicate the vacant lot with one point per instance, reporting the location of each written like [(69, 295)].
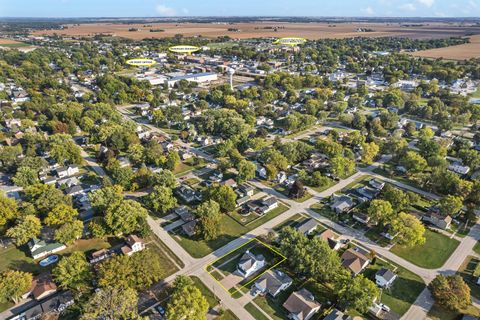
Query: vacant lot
[(433, 254), (312, 30), (460, 52), (11, 43)]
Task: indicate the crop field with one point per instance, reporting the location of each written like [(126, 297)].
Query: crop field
[(314, 30), (460, 52)]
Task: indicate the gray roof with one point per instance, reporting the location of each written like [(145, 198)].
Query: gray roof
[(386, 274), (248, 259), (272, 280), (307, 225)]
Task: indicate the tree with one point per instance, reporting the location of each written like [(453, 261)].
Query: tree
[(165, 178), (69, 232), (408, 229), (61, 214), (413, 162), (451, 292), (187, 301), (341, 166), (357, 293), (63, 149), (297, 190), (125, 217), (380, 211), (13, 284), (397, 198), (246, 171), (103, 198), (210, 217), (112, 304), (450, 205), (223, 195), (28, 227), (45, 197), (161, 200), (369, 152), (25, 176), (8, 209), (173, 159), (138, 271), (73, 272)]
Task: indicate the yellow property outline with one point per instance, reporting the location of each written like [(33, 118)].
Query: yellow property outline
[(231, 251)]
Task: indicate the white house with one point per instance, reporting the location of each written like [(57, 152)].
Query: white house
[(40, 248), (384, 278), (64, 172), (134, 244), (250, 263)]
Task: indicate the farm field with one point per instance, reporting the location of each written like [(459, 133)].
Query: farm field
[(460, 52), (314, 30)]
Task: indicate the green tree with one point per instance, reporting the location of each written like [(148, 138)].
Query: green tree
[(63, 149), (413, 162), (13, 284), (25, 177), (223, 195), (451, 292), (408, 230), (161, 199), (357, 293), (112, 303), (210, 217), (246, 171), (8, 209), (369, 152), (187, 301), (69, 232), (125, 217), (341, 166), (380, 211), (27, 227), (450, 205), (165, 178), (46, 197), (73, 272), (106, 197), (61, 214), (173, 159)]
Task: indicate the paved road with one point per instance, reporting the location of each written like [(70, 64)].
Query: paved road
[(195, 266)]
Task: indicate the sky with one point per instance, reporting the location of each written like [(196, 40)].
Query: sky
[(170, 8)]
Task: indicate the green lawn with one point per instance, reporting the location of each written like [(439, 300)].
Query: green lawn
[(231, 230), (18, 259), (257, 314), (439, 313), (228, 315), (404, 290), (466, 271), (270, 307), (289, 222), (477, 247), (431, 255), (211, 298), (168, 267)]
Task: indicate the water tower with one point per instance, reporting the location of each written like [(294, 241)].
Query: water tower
[(230, 72)]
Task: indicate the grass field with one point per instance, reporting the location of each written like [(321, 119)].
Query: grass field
[(466, 271), (404, 290), (257, 314), (211, 298), (231, 230), (477, 247), (431, 255), (439, 313)]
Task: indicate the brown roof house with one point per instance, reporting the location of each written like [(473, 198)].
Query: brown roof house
[(42, 286), (134, 244), (301, 305), (354, 261), (330, 237)]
